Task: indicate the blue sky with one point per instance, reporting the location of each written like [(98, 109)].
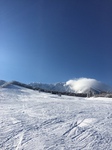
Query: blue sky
[(51, 41)]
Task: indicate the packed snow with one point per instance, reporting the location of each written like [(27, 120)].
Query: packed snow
[(32, 120)]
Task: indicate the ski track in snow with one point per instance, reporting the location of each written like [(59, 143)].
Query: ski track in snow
[(30, 120), (20, 140)]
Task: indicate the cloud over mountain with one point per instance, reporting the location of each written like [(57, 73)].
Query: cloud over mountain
[(83, 85)]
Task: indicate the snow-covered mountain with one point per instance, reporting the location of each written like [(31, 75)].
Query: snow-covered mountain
[(84, 85), (81, 85), (60, 87), (2, 82)]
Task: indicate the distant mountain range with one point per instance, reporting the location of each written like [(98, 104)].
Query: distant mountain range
[(82, 85)]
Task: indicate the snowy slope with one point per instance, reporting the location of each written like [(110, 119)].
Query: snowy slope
[(30, 120), (2, 82)]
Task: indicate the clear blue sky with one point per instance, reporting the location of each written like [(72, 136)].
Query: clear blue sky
[(50, 41)]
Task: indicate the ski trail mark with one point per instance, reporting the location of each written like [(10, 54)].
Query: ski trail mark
[(20, 140)]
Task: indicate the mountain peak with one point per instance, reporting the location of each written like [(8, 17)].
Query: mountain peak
[(81, 85)]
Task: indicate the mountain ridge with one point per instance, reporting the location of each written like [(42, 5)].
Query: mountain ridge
[(81, 85)]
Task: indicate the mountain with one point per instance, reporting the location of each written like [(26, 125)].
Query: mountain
[(81, 85), (60, 87), (2, 82), (16, 84), (85, 85)]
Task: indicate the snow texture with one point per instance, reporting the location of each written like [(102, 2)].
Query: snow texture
[(30, 120)]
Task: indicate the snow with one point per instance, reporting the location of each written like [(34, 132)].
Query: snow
[(30, 120), (81, 85), (60, 87), (2, 82)]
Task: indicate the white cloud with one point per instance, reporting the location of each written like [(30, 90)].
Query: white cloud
[(84, 84)]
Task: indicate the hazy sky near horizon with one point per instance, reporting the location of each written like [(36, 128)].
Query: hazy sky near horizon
[(51, 41)]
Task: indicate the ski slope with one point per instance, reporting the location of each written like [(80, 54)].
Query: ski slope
[(30, 120)]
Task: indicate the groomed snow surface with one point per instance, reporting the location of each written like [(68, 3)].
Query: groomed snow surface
[(30, 120)]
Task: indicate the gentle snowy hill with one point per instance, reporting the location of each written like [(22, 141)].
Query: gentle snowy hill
[(2, 82), (15, 84), (30, 120)]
